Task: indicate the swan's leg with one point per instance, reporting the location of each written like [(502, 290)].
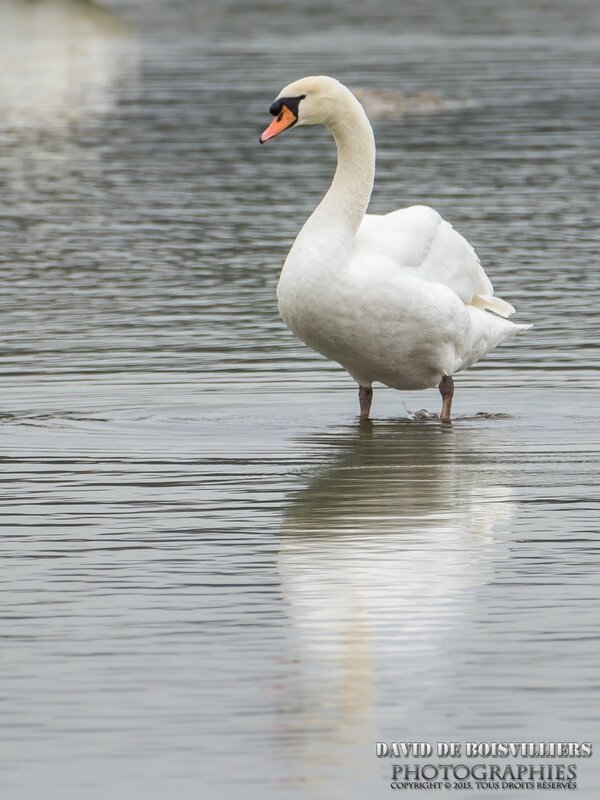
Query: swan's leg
[(446, 388), (365, 397)]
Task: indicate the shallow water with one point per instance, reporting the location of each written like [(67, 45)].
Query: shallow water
[(215, 580)]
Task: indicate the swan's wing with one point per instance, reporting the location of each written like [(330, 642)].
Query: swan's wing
[(418, 238)]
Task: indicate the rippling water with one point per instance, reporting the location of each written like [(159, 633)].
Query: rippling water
[(215, 581)]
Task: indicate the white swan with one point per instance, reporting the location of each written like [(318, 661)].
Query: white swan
[(402, 298)]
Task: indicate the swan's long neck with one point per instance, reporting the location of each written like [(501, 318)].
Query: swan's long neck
[(345, 204), (309, 284)]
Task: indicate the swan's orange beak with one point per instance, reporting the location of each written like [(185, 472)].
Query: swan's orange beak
[(284, 120)]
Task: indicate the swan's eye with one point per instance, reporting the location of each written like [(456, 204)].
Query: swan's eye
[(290, 103)]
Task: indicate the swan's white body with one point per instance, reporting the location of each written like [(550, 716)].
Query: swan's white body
[(401, 298)]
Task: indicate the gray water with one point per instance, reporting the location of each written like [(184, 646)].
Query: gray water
[(214, 581)]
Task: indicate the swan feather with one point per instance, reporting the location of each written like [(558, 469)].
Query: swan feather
[(419, 240)]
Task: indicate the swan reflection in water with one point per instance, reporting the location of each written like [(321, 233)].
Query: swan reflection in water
[(380, 558), (59, 60)]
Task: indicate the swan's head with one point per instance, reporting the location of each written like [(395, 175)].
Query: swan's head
[(309, 101)]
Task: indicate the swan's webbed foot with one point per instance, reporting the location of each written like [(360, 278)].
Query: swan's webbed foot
[(365, 398), (446, 388)]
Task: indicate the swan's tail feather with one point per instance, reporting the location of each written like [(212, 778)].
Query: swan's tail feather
[(487, 332), (491, 303)]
